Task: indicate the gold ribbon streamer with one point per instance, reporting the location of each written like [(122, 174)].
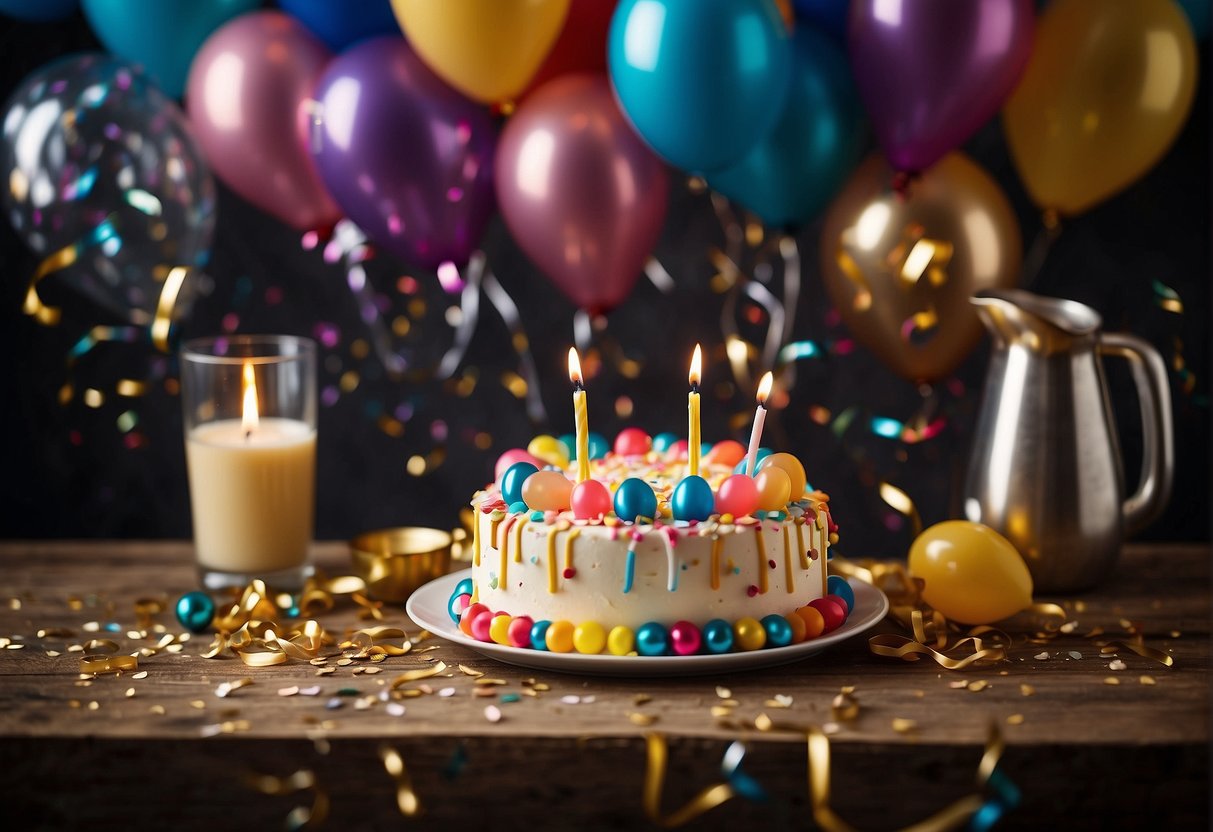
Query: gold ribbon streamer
[(301, 817), (61, 259), (654, 780), (407, 800), (1140, 649), (162, 322)]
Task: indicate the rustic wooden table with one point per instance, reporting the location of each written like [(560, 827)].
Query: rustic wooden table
[(1089, 745)]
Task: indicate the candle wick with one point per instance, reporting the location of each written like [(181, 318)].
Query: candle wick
[(695, 387), (248, 435), (577, 388)]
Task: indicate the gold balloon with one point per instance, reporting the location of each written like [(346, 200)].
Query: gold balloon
[(487, 49), (774, 488), (1107, 90), (791, 466), (971, 573), (902, 267)]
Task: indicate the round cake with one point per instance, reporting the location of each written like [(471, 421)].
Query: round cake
[(644, 559)]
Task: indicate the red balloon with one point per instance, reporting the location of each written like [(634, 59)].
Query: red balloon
[(249, 90), (581, 46), (584, 197), (633, 442), (590, 500)]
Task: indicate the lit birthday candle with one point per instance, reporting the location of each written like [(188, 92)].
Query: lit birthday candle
[(693, 413), (581, 417), (760, 417)]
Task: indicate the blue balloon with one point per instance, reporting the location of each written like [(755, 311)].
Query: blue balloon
[(718, 636), (701, 82), (837, 585), (759, 456), (512, 480), (162, 35), (634, 498), (652, 639), (38, 11), (598, 445), (827, 15), (794, 172), (1198, 12), (340, 23), (663, 441), (692, 499)]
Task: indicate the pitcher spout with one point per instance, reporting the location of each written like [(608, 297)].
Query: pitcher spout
[(1014, 316)]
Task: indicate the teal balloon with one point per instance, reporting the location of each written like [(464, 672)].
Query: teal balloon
[(1198, 12), (162, 35), (569, 440), (512, 480), (598, 445), (718, 636), (702, 82), (663, 441), (38, 11), (790, 176), (759, 456), (634, 498), (692, 499)]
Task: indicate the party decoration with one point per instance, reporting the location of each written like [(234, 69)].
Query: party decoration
[(486, 49), (778, 630), (791, 466), (248, 95), (195, 610), (685, 638), (902, 267), (469, 614), (590, 500), (598, 445), (652, 639), (589, 637), (760, 418), (519, 632), (512, 480), (559, 637), (717, 636), (340, 23), (814, 621), (749, 634), (632, 442), (663, 441), (106, 184), (160, 35), (693, 422), (581, 45), (621, 641), (730, 452), (499, 629), (774, 488), (549, 449), (547, 491), (972, 574), (931, 77), (406, 157), (582, 195), (701, 82), (581, 418), (635, 499), (1107, 91), (569, 442), (41, 11), (833, 614), (539, 633), (790, 175), (737, 495), (512, 456), (457, 605), (692, 499), (837, 586), (796, 627), (740, 467)]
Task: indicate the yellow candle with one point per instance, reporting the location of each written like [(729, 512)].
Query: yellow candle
[(581, 417), (693, 413)]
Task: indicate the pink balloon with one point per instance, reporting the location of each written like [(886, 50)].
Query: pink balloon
[(590, 500), (248, 97), (681, 449), (582, 194), (931, 73), (510, 457), (737, 495), (633, 442)]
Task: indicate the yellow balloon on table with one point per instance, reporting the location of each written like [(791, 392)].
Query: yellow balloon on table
[(1106, 91), (487, 49), (972, 574)]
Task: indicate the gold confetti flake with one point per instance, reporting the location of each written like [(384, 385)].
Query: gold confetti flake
[(643, 720), (1026, 689), (979, 685), (1147, 680), (723, 692), (142, 674), (293, 690), (1116, 664), (964, 683), (1068, 627), (844, 708), (158, 710), (904, 726), (197, 703), (485, 681), (641, 698), (94, 705), (1111, 680), (467, 671), (1042, 656), (1015, 719), (130, 692), (779, 701), (720, 711)]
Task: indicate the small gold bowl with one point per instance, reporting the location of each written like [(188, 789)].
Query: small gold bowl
[(395, 562)]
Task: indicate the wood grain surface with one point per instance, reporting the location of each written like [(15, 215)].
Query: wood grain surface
[(165, 751)]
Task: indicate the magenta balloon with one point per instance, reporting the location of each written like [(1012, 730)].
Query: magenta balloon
[(933, 71), (406, 157), (248, 99), (582, 194)]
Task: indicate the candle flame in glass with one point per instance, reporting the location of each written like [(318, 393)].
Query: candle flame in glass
[(696, 367), (574, 366), (764, 388), (250, 418)]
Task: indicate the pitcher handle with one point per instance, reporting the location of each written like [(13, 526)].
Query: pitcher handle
[(1158, 439)]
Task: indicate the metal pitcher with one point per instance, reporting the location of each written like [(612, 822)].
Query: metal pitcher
[(1045, 470)]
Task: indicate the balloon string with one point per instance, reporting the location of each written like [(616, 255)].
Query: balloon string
[(1038, 252), (658, 276), (508, 311), (469, 304), (775, 312), (352, 242)]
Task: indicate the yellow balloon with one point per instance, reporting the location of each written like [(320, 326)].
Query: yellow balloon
[(774, 489), (972, 574), (550, 449), (487, 49), (1107, 89), (791, 466)]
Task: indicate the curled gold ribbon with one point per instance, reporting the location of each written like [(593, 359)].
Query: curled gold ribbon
[(407, 800), (654, 780), (1140, 649), (108, 664)]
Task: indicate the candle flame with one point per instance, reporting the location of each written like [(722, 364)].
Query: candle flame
[(250, 418), (696, 366), (574, 366), (764, 388)]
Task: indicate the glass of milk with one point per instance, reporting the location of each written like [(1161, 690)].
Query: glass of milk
[(250, 446)]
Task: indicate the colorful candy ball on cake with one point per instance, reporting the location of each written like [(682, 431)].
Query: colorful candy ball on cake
[(621, 641), (663, 441), (468, 616), (482, 624), (779, 632), (797, 626), (634, 499), (837, 585), (499, 629), (815, 622), (547, 491), (833, 612), (633, 442), (512, 456), (749, 634), (685, 638), (550, 449), (589, 637), (195, 611), (559, 637), (759, 456), (692, 499), (510, 483), (539, 633), (652, 639), (718, 636), (791, 466), (590, 500), (728, 452), (457, 605), (774, 488), (738, 496)]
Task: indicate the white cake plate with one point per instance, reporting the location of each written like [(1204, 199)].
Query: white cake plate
[(428, 608)]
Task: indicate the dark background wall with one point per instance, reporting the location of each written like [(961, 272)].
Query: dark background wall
[(411, 451)]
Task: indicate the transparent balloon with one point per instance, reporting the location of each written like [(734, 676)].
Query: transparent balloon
[(105, 183)]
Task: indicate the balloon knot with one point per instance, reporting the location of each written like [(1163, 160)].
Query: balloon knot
[(902, 180)]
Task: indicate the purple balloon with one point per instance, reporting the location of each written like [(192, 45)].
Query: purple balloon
[(405, 156), (931, 72)]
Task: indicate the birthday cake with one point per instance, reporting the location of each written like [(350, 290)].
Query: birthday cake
[(632, 555)]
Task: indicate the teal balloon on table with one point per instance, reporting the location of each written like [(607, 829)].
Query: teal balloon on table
[(792, 174), (38, 11), (161, 35), (702, 82)]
